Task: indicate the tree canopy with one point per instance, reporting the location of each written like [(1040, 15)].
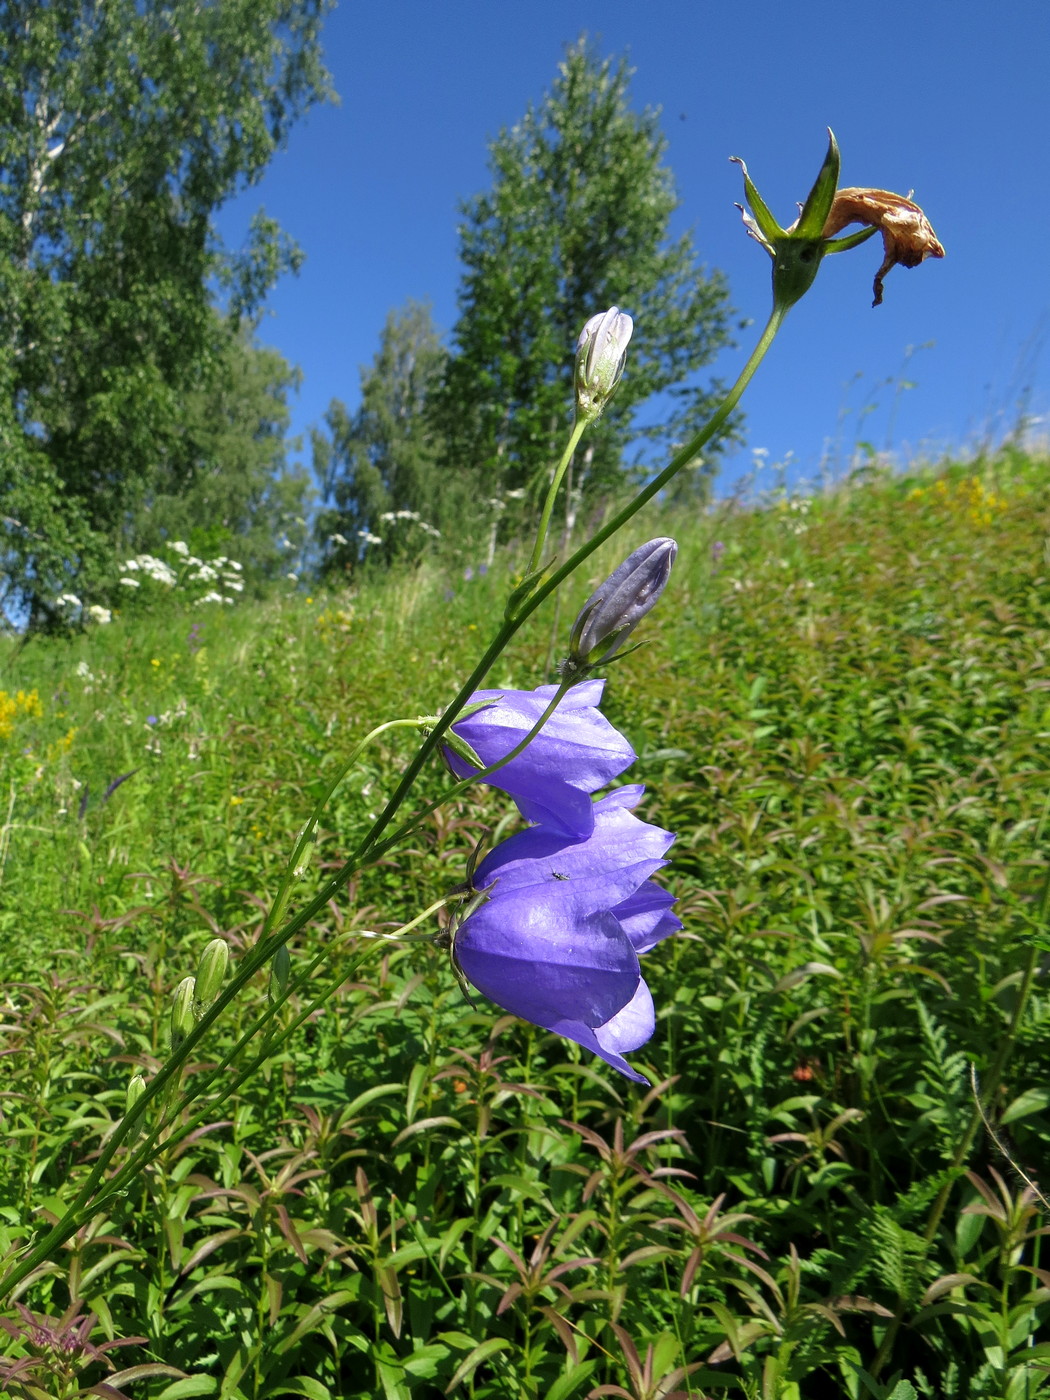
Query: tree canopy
[(385, 458), (124, 126), (577, 220)]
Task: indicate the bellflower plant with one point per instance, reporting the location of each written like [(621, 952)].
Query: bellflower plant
[(575, 753), (549, 945), (563, 910)]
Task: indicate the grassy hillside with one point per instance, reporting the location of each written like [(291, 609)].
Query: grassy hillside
[(842, 707)]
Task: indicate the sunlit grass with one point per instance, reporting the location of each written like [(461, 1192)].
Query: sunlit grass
[(842, 708)]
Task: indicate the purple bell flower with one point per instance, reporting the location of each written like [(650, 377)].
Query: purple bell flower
[(575, 753), (549, 944)]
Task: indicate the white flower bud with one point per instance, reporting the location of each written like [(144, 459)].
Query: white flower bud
[(601, 353)]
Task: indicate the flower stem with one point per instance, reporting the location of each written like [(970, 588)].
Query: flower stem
[(510, 626), (552, 493)]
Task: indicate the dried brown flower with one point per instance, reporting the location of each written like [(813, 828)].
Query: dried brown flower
[(907, 237)]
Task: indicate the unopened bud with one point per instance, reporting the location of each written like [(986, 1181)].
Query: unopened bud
[(182, 1018), (614, 610), (136, 1088), (211, 970), (601, 353), (280, 969)]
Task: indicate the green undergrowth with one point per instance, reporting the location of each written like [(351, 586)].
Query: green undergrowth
[(842, 707)]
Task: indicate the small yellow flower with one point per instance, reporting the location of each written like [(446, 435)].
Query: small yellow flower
[(236, 801), (154, 661)]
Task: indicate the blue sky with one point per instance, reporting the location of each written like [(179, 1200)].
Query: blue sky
[(946, 98)]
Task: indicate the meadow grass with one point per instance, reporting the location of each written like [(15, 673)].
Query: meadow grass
[(842, 707)]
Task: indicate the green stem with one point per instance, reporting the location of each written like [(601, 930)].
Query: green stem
[(552, 492), (510, 626)]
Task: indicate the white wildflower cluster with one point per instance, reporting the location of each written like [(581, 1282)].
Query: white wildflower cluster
[(366, 537), (221, 571), (150, 567), (178, 711), (223, 574), (796, 509), (71, 607), (86, 676), (393, 516), (338, 539)]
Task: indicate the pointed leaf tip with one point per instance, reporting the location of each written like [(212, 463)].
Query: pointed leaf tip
[(818, 203)]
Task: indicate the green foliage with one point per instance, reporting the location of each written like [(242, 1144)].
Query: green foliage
[(230, 489), (123, 128), (577, 220), (842, 711), (385, 457)]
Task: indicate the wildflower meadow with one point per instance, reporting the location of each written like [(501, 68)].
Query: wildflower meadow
[(614, 967)]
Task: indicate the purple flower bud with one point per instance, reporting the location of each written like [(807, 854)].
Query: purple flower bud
[(601, 353), (614, 610)]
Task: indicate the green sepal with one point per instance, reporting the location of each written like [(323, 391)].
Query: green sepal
[(818, 203), (452, 739), (852, 240), (477, 899), (619, 656), (461, 748), (767, 225)]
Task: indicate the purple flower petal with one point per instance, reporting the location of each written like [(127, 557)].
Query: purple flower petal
[(630, 1028), (549, 944), (546, 966), (544, 866), (646, 916), (577, 752)]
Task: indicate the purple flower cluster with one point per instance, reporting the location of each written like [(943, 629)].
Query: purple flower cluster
[(570, 903)]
